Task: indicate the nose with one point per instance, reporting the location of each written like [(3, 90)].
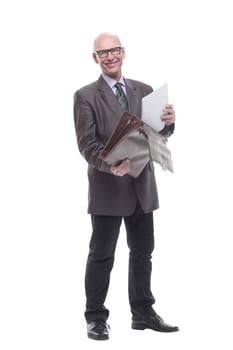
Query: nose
[(110, 55)]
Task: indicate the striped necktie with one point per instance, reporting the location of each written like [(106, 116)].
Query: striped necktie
[(120, 95)]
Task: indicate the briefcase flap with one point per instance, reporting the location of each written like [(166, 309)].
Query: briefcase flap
[(133, 146), (159, 150), (126, 124)]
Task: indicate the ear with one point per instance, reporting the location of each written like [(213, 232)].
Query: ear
[(123, 52), (95, 58)]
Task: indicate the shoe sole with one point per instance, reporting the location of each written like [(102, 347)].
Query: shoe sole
[(138, 327), (98, 337), (142, 327)]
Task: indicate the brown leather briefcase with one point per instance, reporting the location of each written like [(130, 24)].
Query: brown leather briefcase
[(138, 142)]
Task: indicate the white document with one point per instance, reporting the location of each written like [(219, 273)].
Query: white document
[(153, 105)]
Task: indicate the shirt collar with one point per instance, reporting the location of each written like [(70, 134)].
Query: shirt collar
[(111, 82)]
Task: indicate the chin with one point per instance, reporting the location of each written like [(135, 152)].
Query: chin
[(113, 73)]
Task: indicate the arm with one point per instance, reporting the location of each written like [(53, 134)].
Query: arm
[(87, 138), (168, 130), (169, 117)]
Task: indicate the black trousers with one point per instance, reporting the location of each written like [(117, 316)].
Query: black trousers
[(140, 239)]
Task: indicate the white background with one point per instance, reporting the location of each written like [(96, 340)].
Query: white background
[(45, 57)]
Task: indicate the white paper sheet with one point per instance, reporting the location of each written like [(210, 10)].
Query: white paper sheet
[(153, 105)]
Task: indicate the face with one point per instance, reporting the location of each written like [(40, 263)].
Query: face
[(109, 61)]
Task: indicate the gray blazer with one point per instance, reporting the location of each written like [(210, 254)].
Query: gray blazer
[(96, 114)]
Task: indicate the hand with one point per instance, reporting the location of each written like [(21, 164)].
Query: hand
[(169, 116), (121, 169)]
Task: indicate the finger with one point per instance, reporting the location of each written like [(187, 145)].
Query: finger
[(126, 162), (123, 170), (168, 117), (120, 173), (124, 165), (169, 111), (169, 120), (117, 167)]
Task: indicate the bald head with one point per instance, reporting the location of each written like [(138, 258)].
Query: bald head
[(109, 54), (106, 41)]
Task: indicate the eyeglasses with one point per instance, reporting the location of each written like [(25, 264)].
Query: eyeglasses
[(104, 53)]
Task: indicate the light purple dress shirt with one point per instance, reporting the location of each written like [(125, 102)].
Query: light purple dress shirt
[(111, 82)]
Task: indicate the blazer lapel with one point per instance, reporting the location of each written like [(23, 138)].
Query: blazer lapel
[(133, 99), (109, 98), (134, 102)]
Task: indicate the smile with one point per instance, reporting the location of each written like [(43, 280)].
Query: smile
[(111, 64)]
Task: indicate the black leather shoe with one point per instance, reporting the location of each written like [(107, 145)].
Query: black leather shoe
[(98, 330), (154, 322)]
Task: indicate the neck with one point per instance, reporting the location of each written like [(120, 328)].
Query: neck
[(116, 76)]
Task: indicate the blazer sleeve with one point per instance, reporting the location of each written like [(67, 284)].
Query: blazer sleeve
[(88, 143), (168, 130)]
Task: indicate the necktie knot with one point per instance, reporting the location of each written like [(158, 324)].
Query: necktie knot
[(118, 85), (120, 95)]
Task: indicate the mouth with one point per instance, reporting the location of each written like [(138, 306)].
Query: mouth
[(111, 64)]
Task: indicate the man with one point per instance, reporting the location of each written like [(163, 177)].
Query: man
[(114, 195)]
